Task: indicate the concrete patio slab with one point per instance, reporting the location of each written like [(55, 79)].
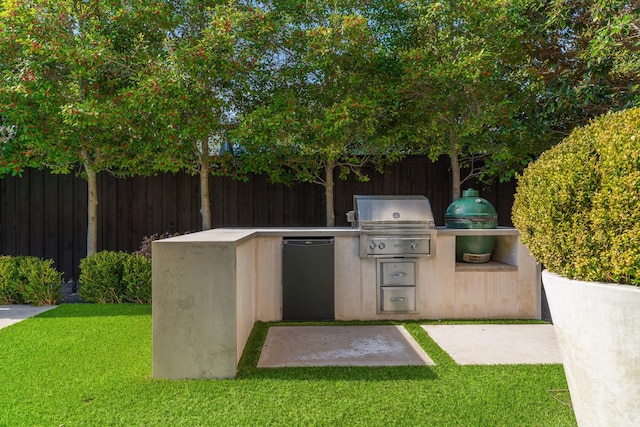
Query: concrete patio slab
[(376, 345), (497, 344), (14, 313)]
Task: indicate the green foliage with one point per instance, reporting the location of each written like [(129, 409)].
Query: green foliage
[(467, 90), (589, 57), (136, 279), (109, 277), (66, 69), (42, 282), (577, 206), (9, 282), (29, 280), (101, 277), (332, 99)]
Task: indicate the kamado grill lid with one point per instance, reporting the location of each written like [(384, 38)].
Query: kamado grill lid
[(414, 210), (471, 211)]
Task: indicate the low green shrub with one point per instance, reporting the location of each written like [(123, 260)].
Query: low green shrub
[(43, 283), (109, 277), (136, 279), (29, 280), (577, 206), (9, 285), (101, 277)]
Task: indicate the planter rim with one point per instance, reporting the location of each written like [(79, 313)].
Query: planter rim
[(576, 282)]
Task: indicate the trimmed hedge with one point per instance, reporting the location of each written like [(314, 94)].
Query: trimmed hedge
[(29, 280), (115, 277), (578, 206)]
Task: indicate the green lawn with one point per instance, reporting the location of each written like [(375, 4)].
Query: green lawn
[(90, 365)]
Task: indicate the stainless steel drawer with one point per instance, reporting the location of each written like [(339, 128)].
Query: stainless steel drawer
[(397, 273), (397, 299)]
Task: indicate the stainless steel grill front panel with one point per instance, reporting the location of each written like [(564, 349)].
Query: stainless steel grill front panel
[(390, 245), (393, 226)]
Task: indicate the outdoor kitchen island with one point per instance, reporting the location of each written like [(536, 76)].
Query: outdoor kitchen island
[(210, 287)]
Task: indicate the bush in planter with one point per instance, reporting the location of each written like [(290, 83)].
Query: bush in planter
[(577, 209), (577, 206), (29, 280)]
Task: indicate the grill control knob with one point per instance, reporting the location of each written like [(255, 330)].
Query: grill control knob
[(372, 245), (381, 245), (414, 245)]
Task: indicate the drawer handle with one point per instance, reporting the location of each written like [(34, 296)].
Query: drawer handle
[(398, 274), (396, 299)]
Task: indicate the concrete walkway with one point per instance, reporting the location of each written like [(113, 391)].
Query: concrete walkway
[(497, 344), (389, 345), (375, 345), (10, 314)]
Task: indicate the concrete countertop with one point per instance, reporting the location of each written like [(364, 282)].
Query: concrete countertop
[(236, 235)]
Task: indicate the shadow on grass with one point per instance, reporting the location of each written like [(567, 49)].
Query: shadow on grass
[(341, 373)]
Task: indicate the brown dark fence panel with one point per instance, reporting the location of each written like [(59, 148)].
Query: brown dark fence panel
[(45, 215)]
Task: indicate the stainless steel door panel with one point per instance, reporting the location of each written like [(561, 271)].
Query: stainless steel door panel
[(397, 273), (399, 299)]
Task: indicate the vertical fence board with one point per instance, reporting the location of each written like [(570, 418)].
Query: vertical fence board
[(22, 214), (36, 218), (51, 213), (169, 205), (80, 199), (65, 226), (107, 206), (7, 215), (154, 205), (138, 211)]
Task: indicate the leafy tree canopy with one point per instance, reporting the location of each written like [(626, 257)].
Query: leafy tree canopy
[(467, 88), (589, 55), (67, 66), (331, 98)]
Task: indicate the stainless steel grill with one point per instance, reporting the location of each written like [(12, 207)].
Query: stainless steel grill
[(393, 226)]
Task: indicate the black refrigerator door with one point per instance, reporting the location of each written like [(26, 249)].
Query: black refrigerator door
[(308, 279)]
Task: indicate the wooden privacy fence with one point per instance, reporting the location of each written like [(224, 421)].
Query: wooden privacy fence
[(45, 215)]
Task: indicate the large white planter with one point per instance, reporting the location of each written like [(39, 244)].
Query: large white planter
[(598, 330)]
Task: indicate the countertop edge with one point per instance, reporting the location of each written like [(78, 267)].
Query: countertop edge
[(239, 235)]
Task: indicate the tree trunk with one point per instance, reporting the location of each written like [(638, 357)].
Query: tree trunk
[(205, 203), (455, 166), (92, 208), (328, 193)]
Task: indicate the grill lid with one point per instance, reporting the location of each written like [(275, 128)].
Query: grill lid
[(384, 211)]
